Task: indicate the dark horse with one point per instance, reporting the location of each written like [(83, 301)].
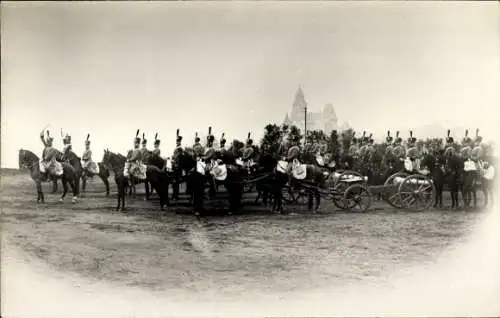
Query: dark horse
[(76, 162), (197, 180), (313, 181), (103, 175), (149, 159), (269, 181), (29, 160), (154, 175)]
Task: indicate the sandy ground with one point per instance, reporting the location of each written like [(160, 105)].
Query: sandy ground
[(65, 260)]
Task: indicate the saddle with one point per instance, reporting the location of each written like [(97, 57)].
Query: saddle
[(282, 166), (470, 165), (489, 173), (136, 170), (299, 171), (219, 172), (54, 168), (320, 160), (91, 166), (169, 165)]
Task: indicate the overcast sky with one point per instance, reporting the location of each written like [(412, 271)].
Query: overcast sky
[(111, 68)]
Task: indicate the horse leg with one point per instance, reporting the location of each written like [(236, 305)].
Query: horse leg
[(106, 183), (65, 189), (146, 187), (40, 193), (310, 198), (317, 194), (54, 185), (84, 182), (75, 189)]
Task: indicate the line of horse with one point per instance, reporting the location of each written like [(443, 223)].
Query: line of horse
[(266, 176)]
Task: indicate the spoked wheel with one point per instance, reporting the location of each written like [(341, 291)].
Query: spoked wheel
[(416, 192), (391, 185), (357, 198)]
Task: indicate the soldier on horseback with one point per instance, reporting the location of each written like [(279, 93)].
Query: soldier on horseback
[(88, 164), (209, 154), (49, 165), (197, 147), (156, 150), (144, 149), (177, 172), (133, 165), (67, 146), (248, 154)]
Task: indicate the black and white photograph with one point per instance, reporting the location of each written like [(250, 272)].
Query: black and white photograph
[(250, 159)]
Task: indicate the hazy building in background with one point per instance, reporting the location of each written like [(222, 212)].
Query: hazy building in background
[(325, 119)]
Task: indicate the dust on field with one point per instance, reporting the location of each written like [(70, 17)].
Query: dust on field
[(222, 257)]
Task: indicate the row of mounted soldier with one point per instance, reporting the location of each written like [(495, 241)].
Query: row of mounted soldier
[(360, 152)]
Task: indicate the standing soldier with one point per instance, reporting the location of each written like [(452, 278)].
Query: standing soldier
[(134, 161), (88, 164), (412, 153), (177, 169), (156, 150), (370, 149), (398, 149), (388, 160), (208, 157), (197, 147), (477, 153), (353, 152), (48, 165)]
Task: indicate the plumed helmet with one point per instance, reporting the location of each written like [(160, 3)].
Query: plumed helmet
[(449, 139), (178, 138), (478, 138), (157, 141), (249, 140), (389, 139), (87, 141), (144, 140), (412, 139), (137, 139), (398, 139), (222, 140), (466, 139), (196, 138), (210, 138)]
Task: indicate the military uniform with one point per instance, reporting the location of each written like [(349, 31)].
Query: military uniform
[(156, 150), (209, 151), (88, 164), (144, 150), (134, 160), (177, 170), (197, 147), (48, 163), (249, 151)]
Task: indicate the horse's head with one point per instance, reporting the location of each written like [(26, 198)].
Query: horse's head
[(111, 160), (26, 159)]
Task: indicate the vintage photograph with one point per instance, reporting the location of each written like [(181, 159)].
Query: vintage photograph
[(250, 158)]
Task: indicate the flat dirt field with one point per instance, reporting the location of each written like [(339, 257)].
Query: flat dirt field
[(86, 259)]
